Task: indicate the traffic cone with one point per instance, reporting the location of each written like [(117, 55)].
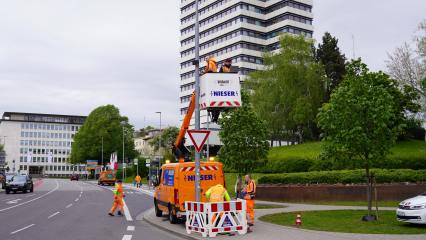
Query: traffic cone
[(298, 220)]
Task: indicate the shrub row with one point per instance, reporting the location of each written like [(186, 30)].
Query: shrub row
[(345, 177)]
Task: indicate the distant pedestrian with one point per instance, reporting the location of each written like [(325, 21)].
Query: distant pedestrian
[(239, 187), (138, 180), (118, 199)]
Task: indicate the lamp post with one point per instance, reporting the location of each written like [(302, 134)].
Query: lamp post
[(159, 148), (122, 174), (102, 157)]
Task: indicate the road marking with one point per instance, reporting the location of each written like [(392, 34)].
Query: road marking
[(31, 195), (130, 228), (76, 200), (22, 203), (8, 199), (23, 229), (127, 237), (69, 205), (127, 212), (14, 201), (56, 213)]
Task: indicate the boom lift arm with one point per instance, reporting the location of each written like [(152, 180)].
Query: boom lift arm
[(179, 150)]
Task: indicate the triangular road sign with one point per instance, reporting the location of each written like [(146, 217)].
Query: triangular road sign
[(198, 138)]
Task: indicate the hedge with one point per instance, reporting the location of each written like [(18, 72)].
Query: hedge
[(345, 177)]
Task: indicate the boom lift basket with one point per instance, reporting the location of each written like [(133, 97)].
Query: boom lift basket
[(220, 91)]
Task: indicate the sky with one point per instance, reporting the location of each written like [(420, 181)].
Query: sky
[(69, 57)]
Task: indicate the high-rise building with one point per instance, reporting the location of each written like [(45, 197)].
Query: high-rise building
[(238, 29), (40, 143)]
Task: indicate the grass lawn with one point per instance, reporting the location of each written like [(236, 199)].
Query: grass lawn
[(311, 150), (348, 221), (268, 206)]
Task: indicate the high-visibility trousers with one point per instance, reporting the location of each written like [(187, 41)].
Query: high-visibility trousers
[(118, 202), (250, 211)]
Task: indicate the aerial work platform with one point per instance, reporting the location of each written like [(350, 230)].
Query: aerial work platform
[(220, 91)]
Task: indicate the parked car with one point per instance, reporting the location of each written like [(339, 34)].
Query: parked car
[(412, 210), (74, 177), (22, 183)]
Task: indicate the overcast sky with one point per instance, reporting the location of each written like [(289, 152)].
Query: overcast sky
[(70, 56)]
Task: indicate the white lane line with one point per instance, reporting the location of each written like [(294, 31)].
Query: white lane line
[(127, 212), (31, 195), (22, 203), (127, 237), (8, 199), (56, 213), (130, 228), (22, 229), (69, 205), (76, 200)]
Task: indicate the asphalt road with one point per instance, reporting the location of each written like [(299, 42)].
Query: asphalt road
[(61, 209)]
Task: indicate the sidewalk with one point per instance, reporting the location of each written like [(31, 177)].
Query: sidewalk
[(268, 231)]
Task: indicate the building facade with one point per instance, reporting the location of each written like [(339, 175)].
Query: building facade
[(142, 144), (238, 29), (40, 144)]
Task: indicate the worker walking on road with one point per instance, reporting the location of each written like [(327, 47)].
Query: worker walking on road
[(249, 196), (118, 199), (138, 180)]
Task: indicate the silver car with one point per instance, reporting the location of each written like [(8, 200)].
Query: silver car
[(412, 210)]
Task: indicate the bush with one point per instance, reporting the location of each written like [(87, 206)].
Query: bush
[(345, 177), (288, 166)]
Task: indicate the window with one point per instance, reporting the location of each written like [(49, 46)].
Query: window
[(168, 177)]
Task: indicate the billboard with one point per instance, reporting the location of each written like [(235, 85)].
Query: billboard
[(91, 164)]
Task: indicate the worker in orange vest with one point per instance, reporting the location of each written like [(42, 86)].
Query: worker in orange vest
[(211, 66), (118, 199), (249, 196), (138, 180)]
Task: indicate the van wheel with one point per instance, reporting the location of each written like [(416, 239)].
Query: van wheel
[(172, 217), (7, 191), (32, 188), (158, 212)]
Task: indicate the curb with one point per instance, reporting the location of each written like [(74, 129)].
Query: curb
[(179, 234)]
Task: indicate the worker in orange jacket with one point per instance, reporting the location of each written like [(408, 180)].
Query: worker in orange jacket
[(138, 180), (211, 65), (226, 66), (249, 196), (118, 199)]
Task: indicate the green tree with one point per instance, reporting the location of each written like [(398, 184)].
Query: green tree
[(107, 123), (244, 137), (330, 56), (1, 148), (168, 137), (289, 92), (144, 131), (358, 122)]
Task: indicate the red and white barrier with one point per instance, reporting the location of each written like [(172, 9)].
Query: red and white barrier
[(209, 219)]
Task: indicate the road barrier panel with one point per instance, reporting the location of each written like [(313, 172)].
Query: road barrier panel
[(209, 219)]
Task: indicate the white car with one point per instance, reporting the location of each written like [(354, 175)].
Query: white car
[(412, 210)]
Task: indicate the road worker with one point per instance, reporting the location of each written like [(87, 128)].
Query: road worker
[(239, 187), (226, 66), (138, 180), (249, 196), (217, 194), (211, 66), (118, 199)]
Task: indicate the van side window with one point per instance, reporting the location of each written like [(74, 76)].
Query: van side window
[(169, 177)]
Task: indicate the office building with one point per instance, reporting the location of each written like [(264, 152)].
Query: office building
[(238, 29), (40, 144)]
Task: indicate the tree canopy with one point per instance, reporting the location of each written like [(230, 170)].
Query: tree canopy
[(107, 123), (360, 121), (334, 62), (244, 137), (168, 137), (288, 93)]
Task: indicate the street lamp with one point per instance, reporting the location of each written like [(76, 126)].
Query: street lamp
[(122, 174), (159, 148)]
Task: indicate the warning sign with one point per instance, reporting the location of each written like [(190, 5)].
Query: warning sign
[(198, 138)]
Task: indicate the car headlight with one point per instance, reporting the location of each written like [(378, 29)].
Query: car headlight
[(418, 206)]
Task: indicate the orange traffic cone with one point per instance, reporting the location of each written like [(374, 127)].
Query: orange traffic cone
[(298, 220)]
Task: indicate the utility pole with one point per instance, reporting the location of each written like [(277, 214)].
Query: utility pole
[(122, 174), (197, 100), (102, 157)]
